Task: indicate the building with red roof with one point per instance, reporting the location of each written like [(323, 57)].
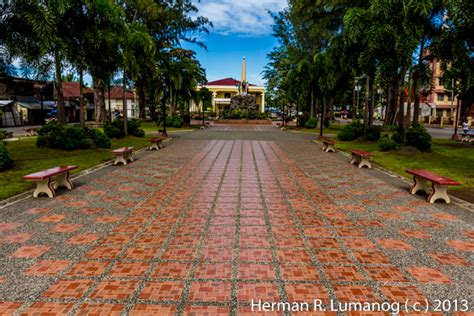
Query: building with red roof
[(224, 89)]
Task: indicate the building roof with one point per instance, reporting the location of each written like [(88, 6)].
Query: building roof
[(71, 90), (117, 93), (226, 82)]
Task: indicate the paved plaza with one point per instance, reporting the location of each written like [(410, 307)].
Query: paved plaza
[(227, 215)]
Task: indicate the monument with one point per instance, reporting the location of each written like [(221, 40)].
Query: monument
[(244, 101)]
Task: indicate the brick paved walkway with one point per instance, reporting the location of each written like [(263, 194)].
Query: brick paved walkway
[(224, 216)]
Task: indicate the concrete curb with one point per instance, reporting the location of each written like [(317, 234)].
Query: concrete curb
[(454, 200)]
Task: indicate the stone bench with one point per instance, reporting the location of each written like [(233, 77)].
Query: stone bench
[(123, 155), (44, 180), (361, 158), (439, 187)]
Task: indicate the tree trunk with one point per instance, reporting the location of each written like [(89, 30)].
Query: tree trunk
[(366, 106), (109, 117), (416, 105), (372, 106), (59, 90), (124, 105), (97, 84), (141, 98), (82, 120), (311, 102), (401, 116)]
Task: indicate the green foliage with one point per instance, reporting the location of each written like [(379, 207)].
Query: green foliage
[(100, 139), (139, 133), (311, 123), (113, 132), (327, 122), (5, 161), (386, 143), (418, 137), (3, 134), (177, 122), (351, 131), (169, 121), (397, 137), (54, 135), (373, 133)]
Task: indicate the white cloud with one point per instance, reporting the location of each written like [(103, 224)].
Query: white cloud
[(242, 17)]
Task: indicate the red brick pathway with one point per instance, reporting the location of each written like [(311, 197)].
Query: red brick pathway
[(204, 227)]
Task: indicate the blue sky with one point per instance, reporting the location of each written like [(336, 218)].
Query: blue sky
[(241, 28)]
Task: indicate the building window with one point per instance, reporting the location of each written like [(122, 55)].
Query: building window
[(440, 96), (450, 98), (441, 81), (227, 95)]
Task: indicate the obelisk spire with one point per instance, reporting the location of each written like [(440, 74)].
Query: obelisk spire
[(244, 70)]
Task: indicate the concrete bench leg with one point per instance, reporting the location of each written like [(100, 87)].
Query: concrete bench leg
[(439, 192), (129, 157), (419, 185), (62, 180), (154, 146), (364, 161), (160, 145), (120, 159), (44, 186), (330, 148), (355, 159), (324, 147)]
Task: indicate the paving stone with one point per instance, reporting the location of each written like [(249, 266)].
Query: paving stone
[(224, 216)]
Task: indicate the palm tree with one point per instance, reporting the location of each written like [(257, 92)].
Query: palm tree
[(34, 30)]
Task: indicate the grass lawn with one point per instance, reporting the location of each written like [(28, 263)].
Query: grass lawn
[(29, 158), (448, 158), (151, 127)]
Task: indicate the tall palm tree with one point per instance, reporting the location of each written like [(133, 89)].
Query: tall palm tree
[(34, 30)]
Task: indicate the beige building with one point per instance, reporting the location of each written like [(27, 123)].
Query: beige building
[(224, 89), (441, 99)]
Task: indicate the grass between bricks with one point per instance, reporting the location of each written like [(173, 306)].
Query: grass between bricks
[(451, 159), (28, 159)]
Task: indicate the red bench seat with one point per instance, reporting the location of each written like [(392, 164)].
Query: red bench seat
[(439, 188), (155, 143), (123, 155), (328, 144), (44, 182), (361, 158)]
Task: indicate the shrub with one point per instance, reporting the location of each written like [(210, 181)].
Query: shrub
[(139, 133), (4, 134), (397, 137), (418, 137), (99, 138), (133, 126), (373, 133), (327, 121), (54, 135), (113, 132), (311, 123), (351, 131), (386, 143), (169, 121), (5, 161), (177, 122)]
